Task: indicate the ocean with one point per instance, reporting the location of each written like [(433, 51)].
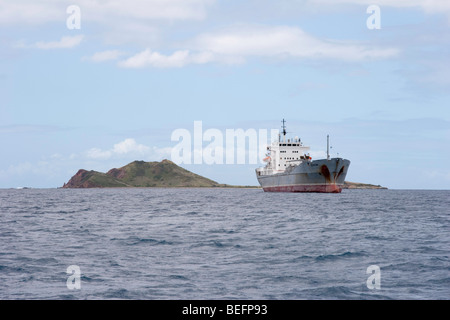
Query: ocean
[(219, 243)]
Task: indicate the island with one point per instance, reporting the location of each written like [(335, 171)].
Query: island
[(163, 174), (143, 174), (358, 185)]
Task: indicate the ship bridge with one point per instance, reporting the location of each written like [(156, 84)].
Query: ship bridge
[(283, 153)]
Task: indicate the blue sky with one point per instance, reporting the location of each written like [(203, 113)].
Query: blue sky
[(114, 90)]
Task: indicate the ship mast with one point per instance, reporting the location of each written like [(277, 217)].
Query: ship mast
[(328, 147), (284, 130)]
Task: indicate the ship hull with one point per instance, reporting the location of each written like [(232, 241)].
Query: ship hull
[(325, 176)]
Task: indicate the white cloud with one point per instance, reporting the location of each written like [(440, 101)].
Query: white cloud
[(116, 22), (237, 44), (149, 58), (113, 12), (429, 6), (105, 56), (180, 58), (147, 9), (284, 41), (129, 146), (31, 12), (66, 42), (126, 147)]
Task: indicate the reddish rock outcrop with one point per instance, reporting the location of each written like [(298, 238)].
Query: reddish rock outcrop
[(80, 180), (116, 173)]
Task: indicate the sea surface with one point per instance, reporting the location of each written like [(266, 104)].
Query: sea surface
[(214, 243)]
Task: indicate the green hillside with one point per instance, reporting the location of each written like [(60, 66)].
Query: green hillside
[(159, 174), (141, 174)]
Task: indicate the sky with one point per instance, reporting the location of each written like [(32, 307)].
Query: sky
[(97, 84)]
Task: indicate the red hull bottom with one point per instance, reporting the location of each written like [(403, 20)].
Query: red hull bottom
[(325, 188)]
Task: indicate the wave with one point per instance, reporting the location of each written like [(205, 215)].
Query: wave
[(347, 254), (216, 244), (178, 277), (117, 294), (134, 240)]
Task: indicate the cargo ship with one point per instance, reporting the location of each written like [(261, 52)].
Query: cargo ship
[(290, 168)]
